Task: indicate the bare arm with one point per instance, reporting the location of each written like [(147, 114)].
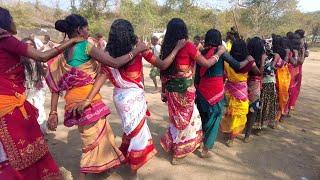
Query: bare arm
[(164, 64), (255, 70), (79, 108), (244, 63), (53, 116), (105, 58), (276, 58), (45, 56), (263, 60), (54, 102), (101, 78), (294, 59), (302, 57), (202, 61)]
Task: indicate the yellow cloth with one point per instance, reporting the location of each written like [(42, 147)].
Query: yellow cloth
[(9, 103), (99, 151), (235, 117), (233, 76), (283, 84), (78, 94), (229, 46)]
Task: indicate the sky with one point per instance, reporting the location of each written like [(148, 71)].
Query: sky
[(304, 5)]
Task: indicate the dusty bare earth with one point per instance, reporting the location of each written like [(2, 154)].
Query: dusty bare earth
[(291, 152)]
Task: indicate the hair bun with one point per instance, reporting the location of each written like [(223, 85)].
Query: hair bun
[(62, 26)]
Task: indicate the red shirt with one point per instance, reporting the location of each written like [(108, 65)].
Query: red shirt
[(185, 58), (132, 71)]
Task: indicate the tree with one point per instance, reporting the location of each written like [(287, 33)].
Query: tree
[(261, 16)]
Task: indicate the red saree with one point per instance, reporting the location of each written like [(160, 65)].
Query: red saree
[(20, 133), (184, 134)]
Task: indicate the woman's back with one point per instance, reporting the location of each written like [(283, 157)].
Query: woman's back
[(79, 54), (184, 61)]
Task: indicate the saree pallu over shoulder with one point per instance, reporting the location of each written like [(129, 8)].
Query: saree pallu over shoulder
[(61, 76), (77, 82)]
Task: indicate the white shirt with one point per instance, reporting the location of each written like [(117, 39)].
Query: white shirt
[(156, 50), (38, 43)]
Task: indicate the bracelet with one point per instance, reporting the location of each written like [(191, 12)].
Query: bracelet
[(130, 55), (216, 57), (53, 113), (172, 56)]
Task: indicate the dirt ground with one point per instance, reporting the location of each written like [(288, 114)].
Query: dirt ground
[(291, 152)]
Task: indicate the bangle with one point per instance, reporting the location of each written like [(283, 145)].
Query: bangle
[(130, 55), (172, 56), (216, 57), (53, 113), (88, 100)]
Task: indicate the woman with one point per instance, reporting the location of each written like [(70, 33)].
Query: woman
[(269, 100), (184, 134), (256, 49), (22, 146), (283, 78), (35, 83), (128, 94), (210, 89), (235, 118), (75, 72), (295, 68)]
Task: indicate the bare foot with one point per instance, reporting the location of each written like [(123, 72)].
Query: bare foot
[(133, 175), (205, 153), (229, 142), (246, 139), (82, 176), (177, 161)]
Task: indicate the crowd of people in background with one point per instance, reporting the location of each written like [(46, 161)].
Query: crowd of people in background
[(235, 86)]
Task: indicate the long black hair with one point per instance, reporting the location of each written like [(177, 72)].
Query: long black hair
[(121, 38), (38, 65), (212, 39), (6, 21), (176, 30), (278, 46), (256, 49), (294, 41), (239, 50), (70, 24)]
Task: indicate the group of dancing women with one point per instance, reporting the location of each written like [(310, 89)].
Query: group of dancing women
[(249, 88)]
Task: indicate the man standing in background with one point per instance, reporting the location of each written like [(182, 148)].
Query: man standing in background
[(154, 72), (38, 42)]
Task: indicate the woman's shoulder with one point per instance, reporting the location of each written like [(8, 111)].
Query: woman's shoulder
[(7, 41)]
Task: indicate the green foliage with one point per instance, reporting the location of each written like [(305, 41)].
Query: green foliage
[(255, 17)]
